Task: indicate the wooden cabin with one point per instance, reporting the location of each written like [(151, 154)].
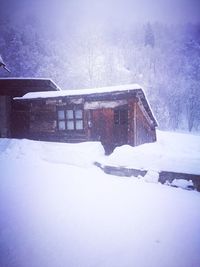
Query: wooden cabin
[(17, 87), (113, 115)]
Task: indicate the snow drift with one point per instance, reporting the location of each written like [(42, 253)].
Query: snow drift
[(58, 209), (176, 152)]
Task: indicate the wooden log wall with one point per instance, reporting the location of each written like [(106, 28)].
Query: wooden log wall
[(5, 108), (43, 117), (132, 121), (19, 120), (144, 131), (37, 119)]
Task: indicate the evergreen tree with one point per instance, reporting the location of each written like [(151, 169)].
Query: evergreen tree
[(149, 38)]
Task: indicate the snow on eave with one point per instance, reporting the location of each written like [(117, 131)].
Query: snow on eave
[(99, 90), (49, 94), (76, 92)]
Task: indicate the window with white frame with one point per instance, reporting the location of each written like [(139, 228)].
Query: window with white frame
[(70, 119)]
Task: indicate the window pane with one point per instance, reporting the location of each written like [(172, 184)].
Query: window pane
[(61, 114), (61, 125), (78, 114), (70, 125), (79, 125), (69, 114)]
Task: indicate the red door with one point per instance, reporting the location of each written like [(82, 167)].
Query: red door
[(102, 127), (120, 127)]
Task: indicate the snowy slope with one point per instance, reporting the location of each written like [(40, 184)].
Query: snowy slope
[(176, 152), (57, 209)]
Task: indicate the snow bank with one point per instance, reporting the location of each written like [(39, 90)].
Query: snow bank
[(81, 154), (71, 214), (174, 152)]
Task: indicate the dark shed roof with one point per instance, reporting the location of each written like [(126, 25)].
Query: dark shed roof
[(20, 86)]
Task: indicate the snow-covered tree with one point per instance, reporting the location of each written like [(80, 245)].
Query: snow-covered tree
[(149, 38), (165, 59)]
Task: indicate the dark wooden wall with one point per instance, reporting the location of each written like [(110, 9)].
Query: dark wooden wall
[(5, 113), (145, 132), (132, 122), (20, 119), (42, 118), (37, 119)]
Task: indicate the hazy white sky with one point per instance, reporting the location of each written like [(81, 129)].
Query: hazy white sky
[(117, 12)]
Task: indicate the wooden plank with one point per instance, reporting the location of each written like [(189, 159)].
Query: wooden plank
[(42, 126), (164, 176), (104, 104)]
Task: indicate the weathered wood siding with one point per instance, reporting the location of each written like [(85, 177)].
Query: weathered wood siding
[(5, 111), (20, 120), (145, 132), (132, 121), (38, 119), (44, 124), (43, 117)]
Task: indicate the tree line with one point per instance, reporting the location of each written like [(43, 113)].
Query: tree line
[(163, 58)]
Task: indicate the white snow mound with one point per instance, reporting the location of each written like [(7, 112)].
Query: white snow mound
[(175, 152), (81, 154)]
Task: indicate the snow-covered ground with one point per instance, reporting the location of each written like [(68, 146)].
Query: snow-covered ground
[(57, 209), (175, 152)]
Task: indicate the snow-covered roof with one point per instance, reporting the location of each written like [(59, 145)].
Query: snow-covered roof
[(96, 91), (100, 90)]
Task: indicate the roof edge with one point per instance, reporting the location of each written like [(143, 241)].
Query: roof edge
[(32, 78)]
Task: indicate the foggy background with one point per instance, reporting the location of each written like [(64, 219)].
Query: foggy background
[(85, 43)]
